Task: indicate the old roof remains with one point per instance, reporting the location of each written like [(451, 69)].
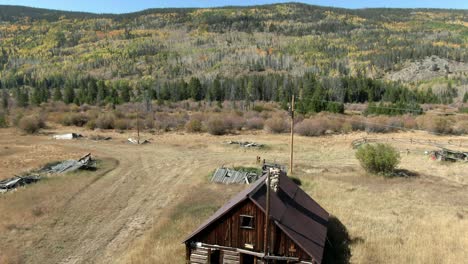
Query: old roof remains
[(228, 176)]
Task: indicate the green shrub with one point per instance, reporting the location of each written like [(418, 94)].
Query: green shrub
[(31, 124), (378, 158)]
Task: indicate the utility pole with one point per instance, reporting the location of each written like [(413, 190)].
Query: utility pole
[(292, 136), (267, 219), (138, 125)]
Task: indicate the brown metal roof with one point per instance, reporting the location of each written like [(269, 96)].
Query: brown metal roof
[(296, 213)]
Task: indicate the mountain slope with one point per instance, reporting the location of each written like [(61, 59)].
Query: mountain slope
[(155, 47)]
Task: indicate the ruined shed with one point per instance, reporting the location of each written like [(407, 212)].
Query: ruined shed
[(229, 176), (235, 233)]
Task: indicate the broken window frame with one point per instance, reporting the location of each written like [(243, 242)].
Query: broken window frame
[(246, 225)]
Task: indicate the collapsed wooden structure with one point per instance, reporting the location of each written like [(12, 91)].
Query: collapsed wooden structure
[(449, 155), (274, 222)]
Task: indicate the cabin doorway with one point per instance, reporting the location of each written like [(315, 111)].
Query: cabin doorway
[(215, 257), (247, 259)]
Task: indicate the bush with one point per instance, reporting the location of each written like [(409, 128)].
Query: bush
[(276, 125), (312, 127), (378, 158), (91, 124), (194, 126), (31, 124), (255, 123), (105, 121), (436, 124), (3, 120), (379, 124), (234, 122), (357, 123), (461, 127), (74, 119), (122, 124), (149, 122), (216, 126)]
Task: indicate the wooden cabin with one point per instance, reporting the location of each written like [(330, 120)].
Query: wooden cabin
[(235, 234)]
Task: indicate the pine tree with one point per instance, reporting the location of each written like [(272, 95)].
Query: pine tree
[(101, 92), (195, 89), (125, 94), (22, 97), (36, 96), (5, 97), (57, 95), (69, 95)]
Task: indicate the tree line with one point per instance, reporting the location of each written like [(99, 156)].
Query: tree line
[(315, 93)]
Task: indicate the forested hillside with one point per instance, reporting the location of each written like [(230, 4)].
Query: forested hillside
[(233, 53)]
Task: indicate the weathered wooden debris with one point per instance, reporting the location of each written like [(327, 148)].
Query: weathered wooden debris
[(84, 163), (449, 155), (229, 176), (68, 136), (134, 141), (17, 181), (245, 144)]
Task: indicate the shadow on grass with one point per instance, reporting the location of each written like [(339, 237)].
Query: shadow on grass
[(404, 173), (296, 180), (337, 247)]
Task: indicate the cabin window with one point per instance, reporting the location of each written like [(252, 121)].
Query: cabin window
[(247, 221)]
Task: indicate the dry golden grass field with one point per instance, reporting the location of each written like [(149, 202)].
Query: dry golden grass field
[(143, 200)]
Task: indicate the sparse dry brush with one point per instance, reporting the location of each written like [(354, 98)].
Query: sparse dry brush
[(255, 123), (194, 126), (122, 124), (31, 124), (312, 127), (217, 126), (435, 124), (277, 124), (175, 117), (234, 122), (105, 121), (74, 119)]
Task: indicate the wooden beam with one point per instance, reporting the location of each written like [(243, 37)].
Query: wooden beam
[(281, 258), (267, 217), (292, 138), (248, 252)]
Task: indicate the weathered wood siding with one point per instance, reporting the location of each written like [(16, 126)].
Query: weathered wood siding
[(226, 231)]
